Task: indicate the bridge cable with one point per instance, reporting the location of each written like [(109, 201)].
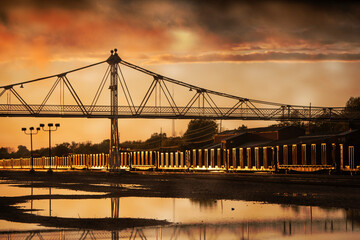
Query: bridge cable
[(99, 90), (51, 76), (126, 90), (190, 86)]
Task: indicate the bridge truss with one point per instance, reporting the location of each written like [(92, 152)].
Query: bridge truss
[(202, 103)]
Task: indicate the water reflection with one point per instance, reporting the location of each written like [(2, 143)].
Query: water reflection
[(179, 210), (115, 203), (31, 201), (50, 201), (245, 231), (195, 218)]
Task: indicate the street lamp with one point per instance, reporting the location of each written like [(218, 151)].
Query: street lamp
[(50, 129), (31, 133)]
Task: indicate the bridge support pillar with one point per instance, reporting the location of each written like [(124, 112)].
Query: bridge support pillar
[(113, 61)]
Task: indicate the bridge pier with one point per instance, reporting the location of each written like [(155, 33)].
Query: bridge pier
[(113, 61)]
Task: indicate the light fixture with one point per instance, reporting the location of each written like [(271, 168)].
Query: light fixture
[(21, 86)]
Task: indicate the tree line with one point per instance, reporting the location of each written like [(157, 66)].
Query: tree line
[(200, 131)]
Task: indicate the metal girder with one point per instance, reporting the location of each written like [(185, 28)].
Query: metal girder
[(51, 76), (74, 94), (99, 90), (16, 94), (244, 108), (125, 89), (244, 113), (147, 96)]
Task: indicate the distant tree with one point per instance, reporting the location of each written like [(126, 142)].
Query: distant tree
[(172, 143), (62, 149), (104, 146), (155, 141), (22, 152), (242, 127), (353, 104), (200, 131), (4, 153)]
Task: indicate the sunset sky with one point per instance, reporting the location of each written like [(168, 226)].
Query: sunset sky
[(295, 52)]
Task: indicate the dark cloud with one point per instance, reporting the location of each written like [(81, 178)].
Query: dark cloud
[(6, 6), (269, 56), (293, 29), (255, 21), (67, 4)]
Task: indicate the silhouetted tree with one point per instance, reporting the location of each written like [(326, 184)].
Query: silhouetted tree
[(352, 108), (353, 104), (200, 132), (22, 152), (4, 153), (62, 149), (242, 127), (104, 146)]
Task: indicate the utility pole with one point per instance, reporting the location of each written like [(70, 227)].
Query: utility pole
[(113, 61)]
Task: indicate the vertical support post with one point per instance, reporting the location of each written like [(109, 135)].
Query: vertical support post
[(113, 61)]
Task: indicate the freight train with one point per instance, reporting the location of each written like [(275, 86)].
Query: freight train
[(329, 157)]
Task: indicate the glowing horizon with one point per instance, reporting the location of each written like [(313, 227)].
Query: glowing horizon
[(295, 53)]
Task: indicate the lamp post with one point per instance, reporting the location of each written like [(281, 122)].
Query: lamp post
[(50, 129), (31, 133)]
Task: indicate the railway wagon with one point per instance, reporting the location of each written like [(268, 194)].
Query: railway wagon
[(294, 157)]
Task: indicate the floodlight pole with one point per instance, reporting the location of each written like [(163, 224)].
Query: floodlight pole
[(50, 129), (113, 61), (31, 133)]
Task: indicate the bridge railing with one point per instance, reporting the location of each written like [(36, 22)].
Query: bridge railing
[(272, 113), (76, 161), (299, 157)]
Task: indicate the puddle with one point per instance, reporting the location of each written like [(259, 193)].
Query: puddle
[(7, 190), (192, 218), (14, 226), (188, 211)]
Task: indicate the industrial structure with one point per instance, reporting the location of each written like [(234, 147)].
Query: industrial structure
[(204, 104)]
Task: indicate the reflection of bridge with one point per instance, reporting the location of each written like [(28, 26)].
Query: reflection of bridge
[(202, 103), (238, 230), (231, 229)]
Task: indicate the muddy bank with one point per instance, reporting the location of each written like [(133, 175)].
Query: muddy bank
[(14, 214), (316, 190)]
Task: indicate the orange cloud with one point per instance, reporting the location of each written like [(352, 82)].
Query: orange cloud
[(226, 29)]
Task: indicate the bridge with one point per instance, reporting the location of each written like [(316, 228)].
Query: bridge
[(201, 105), (203, 102)]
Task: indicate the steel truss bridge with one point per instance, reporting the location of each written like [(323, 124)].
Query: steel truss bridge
[(203, 103)]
